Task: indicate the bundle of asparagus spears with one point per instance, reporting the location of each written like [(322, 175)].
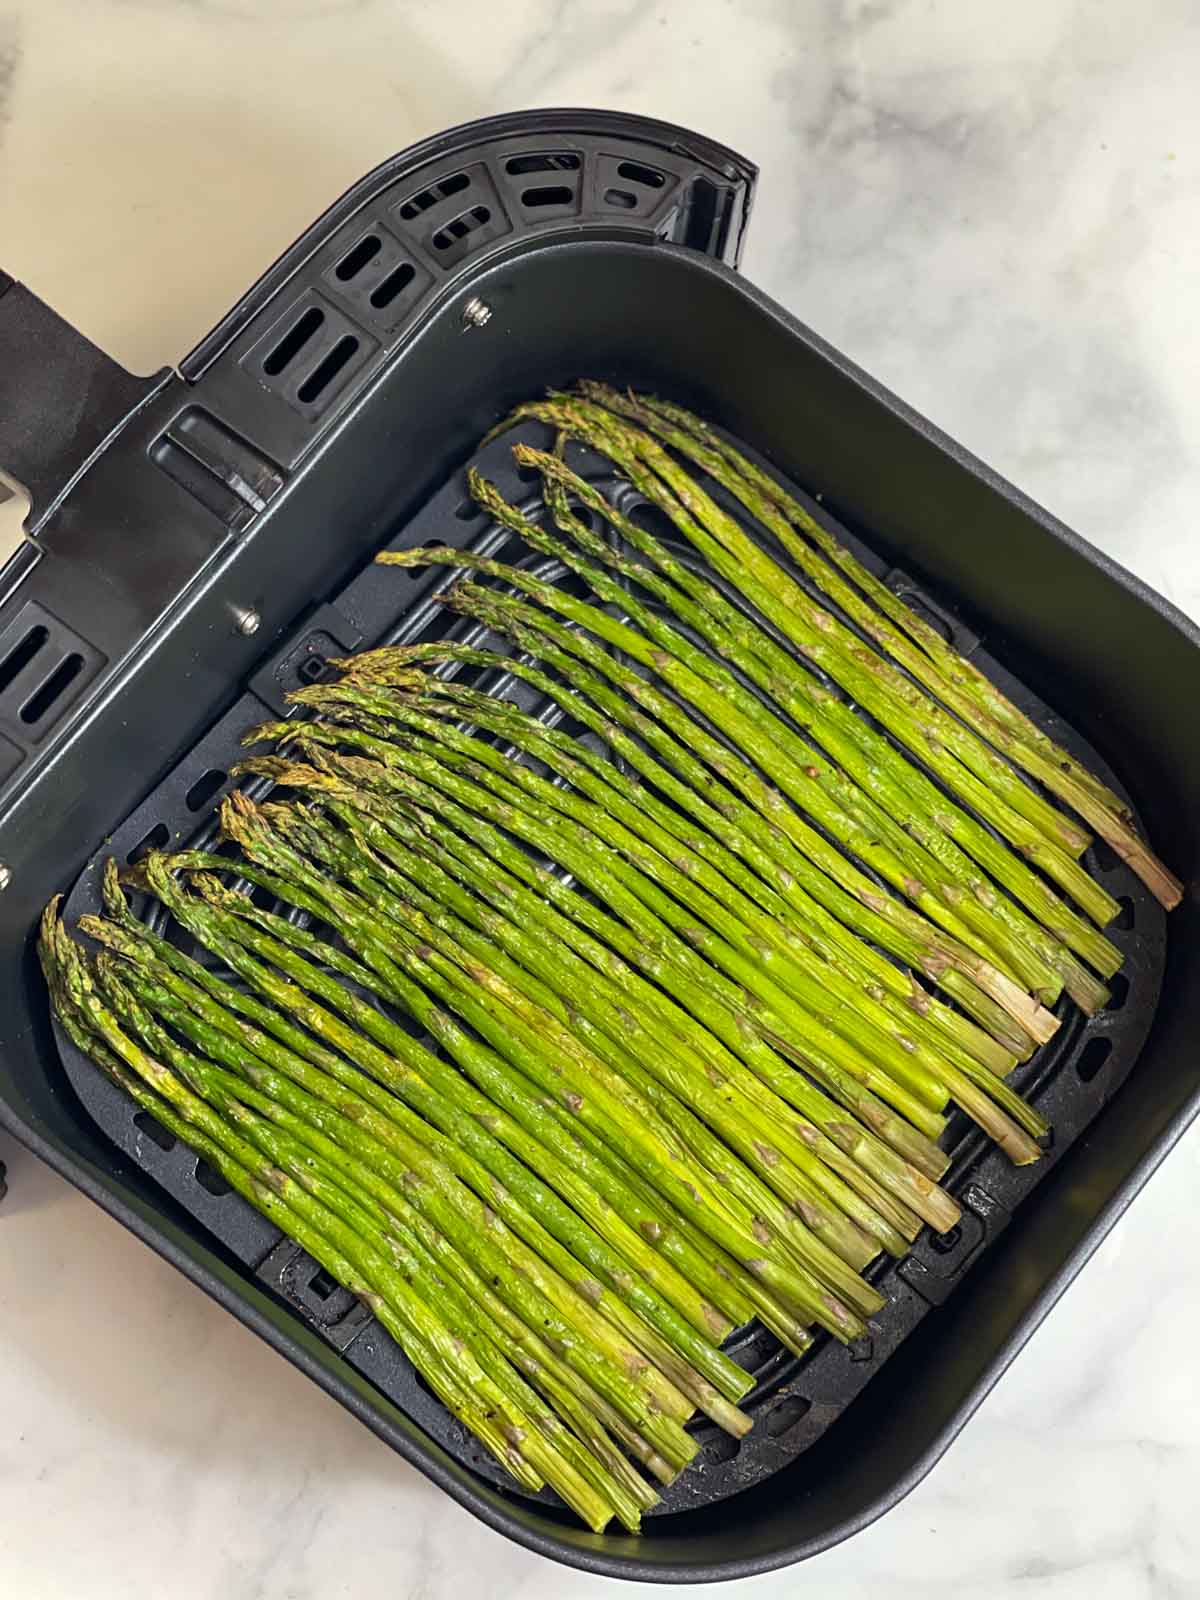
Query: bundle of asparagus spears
[(694, 1011)]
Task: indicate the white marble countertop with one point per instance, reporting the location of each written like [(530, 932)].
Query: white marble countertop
[(995, 209)]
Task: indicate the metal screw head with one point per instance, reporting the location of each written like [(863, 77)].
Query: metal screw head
[(248, 622), (5, 877), (476, 312)]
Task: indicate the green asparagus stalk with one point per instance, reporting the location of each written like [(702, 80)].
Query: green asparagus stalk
[(1037, 1022), (232, 940), (960, 671), (960, 1073), (474, 1304), (557, 1159), (718, 1373), (556, 936), (745, 935), (901, 791), (972, 768), (343, 1191), (913, 643), (365, 1270), (831, 1235), (661, 960), (821, 988), (586, 857), (560, 971), (973, 916), (356, 1099), (741, 715), (535, 1290), (780, 1161), (744, 833)]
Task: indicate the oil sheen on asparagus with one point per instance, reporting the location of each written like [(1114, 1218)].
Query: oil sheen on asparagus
[(570, 1042)]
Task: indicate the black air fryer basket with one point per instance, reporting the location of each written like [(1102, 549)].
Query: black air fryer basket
[(201, 543)]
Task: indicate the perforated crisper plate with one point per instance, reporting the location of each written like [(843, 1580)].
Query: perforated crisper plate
[(794, 1401)]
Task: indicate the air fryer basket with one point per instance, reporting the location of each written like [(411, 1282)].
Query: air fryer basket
[(144, 652)]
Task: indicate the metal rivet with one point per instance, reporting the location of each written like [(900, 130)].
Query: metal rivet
[(5, 876), (248, 622), (476, 312)]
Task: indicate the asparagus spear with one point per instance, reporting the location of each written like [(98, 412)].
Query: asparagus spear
[(741, 716), (903, 793), (960, 671), (831, 1235), (585, 856), (344, 1191), (972, 916), (780, 1162), (639, 943), (364, 1269), (591, 958), (918, 647), (533, 1287), (716, 1369), (443, 1100), (971, 768), (770, 1081), (1027, 1012), (561, 970), (745, 936), (862, 1152), (875, 1030), (743, 833), (370, 1113), (233, 940), (556, 1159)]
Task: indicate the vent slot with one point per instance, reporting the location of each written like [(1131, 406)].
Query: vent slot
[(211, 1180), (783, 1418), (59, 681), (455, 184), (157, 839), (363, 253), (290, 346), (461, 226), (154, 1130), (205, 789), (327, 370), (1093, 1056), (549, 194), (645, 177), (19, 658), (542, 161), (621, 199), (394, 284)]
